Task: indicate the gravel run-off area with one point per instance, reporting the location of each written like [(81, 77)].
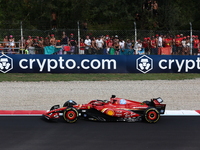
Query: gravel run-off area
[(177, 94)]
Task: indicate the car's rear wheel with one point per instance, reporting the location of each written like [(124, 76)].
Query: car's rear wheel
[(151, 115), (70, 114)]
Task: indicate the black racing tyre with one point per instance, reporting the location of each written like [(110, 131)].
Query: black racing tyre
[(70, 114), (151, 115)]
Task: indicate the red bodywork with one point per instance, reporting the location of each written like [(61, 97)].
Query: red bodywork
[(116, 107)]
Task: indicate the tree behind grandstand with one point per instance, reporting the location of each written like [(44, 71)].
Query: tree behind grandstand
[(99, 14)]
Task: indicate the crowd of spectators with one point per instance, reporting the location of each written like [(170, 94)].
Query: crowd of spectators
[(179, 45), (104, 45)]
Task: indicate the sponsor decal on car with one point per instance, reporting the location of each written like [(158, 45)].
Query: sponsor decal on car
[(122, 101), (110, 112)]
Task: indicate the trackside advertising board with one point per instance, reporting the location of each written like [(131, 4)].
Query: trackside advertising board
[(99, 64)]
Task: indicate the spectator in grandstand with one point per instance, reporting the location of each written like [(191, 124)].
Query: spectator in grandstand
[(53, 15), (53, 40), (160, 40), (87, 45), (38, 38), (93, 46), (155, 9), (116, 38), (12, 45), (129, 45), (58, 45), (105, 45), (195, 45), (157, 36), (181, 37), (99, 45), (29, 44), (178, 45), (122, 45), (149, 45), (112, 37), (184, 48), (72, 44), (174, 49), (107, 37), (26, 50), (133, 43), (144, 44), (65, 41), (167, 41), (109, 45), (116, 47), (82, 47), (137, 17), (171, 37), (147, 5), (107, 41), (5, 44), (153, 46), (31, 48), (35, 44), (46, 41), (192, 42), (188, 45), (41, 46), (163, 40)]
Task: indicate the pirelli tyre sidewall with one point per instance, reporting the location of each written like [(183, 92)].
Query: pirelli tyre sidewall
[(70, 114), (151, 115)]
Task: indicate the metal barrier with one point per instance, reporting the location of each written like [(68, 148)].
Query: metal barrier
[(125, 34), (10, 49)]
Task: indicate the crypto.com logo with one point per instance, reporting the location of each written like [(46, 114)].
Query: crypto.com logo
[(6, 63), (144, 64)]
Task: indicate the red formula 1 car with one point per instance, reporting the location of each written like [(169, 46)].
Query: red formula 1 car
[(117, 109)]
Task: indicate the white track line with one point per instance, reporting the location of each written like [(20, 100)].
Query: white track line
[(167, 113), (181, 113)]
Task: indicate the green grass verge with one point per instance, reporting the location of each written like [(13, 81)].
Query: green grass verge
[(94, 77)]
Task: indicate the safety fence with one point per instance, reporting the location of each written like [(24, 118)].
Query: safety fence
[(124, 34)]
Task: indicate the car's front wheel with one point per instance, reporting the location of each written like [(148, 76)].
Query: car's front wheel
[(70, 114), (151, 115)]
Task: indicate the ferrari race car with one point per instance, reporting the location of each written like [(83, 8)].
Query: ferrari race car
[(117, 109)]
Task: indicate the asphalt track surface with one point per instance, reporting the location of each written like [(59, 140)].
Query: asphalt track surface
[(34, 133)]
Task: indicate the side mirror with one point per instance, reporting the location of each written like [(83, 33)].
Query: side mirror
[(113, 96), (55, 107)]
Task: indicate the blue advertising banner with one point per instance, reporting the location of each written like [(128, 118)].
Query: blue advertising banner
[(99, 64)]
